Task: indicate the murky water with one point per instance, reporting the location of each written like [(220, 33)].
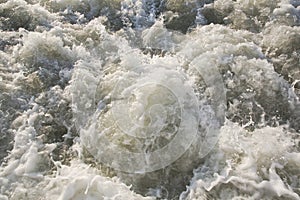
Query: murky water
[(159, 99)]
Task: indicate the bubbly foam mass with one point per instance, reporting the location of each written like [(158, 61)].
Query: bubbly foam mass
[(159, 99)]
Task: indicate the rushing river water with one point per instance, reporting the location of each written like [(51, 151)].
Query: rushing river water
[(158, 99)]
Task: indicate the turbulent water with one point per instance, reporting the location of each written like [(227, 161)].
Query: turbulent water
[(158, 99)]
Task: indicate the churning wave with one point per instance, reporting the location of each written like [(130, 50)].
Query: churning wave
[(158, 99)]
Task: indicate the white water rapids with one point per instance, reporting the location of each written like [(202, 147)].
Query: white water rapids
[(158, 99)]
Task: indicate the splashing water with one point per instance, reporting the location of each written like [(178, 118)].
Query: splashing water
[(160, 99)]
